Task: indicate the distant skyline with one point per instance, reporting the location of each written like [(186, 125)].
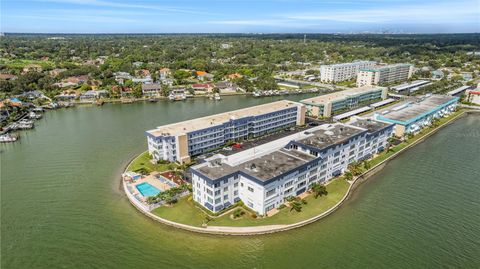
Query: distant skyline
[(246, 16)]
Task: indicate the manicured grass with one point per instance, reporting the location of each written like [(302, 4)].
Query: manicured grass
[(336, 190), (185, 211), (143, 161)]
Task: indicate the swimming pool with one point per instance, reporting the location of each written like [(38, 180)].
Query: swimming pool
[(147, 190)]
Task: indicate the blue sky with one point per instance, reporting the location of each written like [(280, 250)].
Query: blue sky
[(242, 16)]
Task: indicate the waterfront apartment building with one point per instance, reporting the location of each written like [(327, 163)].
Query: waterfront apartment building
[(343, 71), (413, 116), (179, 142), (263, 177), (338, 102), (384, 75)]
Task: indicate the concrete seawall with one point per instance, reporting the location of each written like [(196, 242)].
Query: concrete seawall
[(267, 229)]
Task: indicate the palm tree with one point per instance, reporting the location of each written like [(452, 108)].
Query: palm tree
[(296, 205), (355, 168), (319, 190), (367, 165)]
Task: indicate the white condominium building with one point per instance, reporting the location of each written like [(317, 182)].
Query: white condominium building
[(384, 75), (339, 102), (413, 116), (343, 71), (264, 176), (180, 141)]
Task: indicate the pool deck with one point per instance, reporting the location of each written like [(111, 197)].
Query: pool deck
[(150, 179)]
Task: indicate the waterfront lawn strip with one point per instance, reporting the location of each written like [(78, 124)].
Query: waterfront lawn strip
[(336, 190), (142, 162), (186, 212)]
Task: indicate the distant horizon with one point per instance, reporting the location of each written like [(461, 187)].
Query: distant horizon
[(235, 33), (247, 16)]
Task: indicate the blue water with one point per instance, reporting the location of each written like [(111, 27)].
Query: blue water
[(147, 190)]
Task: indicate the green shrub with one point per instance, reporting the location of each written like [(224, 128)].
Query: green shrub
[(238, 213)]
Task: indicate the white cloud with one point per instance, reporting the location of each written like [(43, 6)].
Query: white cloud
[(101, 3), (79, 18), (428, 13)]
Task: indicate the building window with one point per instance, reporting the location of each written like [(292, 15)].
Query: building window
[(270, 192), (235, 185), (250, 189)]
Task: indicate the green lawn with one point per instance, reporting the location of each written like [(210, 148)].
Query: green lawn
[(143, 161), (336, 190), (185, 211)]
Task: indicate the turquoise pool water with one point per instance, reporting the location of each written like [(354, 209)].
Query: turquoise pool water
[(147, 190)]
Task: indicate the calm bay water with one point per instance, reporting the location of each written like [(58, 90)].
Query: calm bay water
[(62, 205)]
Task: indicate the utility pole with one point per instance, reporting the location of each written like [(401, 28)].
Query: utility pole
[(304, 39)]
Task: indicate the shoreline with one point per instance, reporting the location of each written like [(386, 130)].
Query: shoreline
[(268, 229), (147, 99)]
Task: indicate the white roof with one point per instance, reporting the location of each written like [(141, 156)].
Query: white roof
[(351, 113), (382, 103)]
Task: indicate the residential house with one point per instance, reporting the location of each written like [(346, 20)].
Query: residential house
[(437, 74), (72, 81), (226, 87), (164, 73), (143, 72), (122, 90), (120, 77), (32, 95), (68, 95), (466, 76), (202, 75), (89, 95), (152, 89), (206, 87), (233, 76)]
